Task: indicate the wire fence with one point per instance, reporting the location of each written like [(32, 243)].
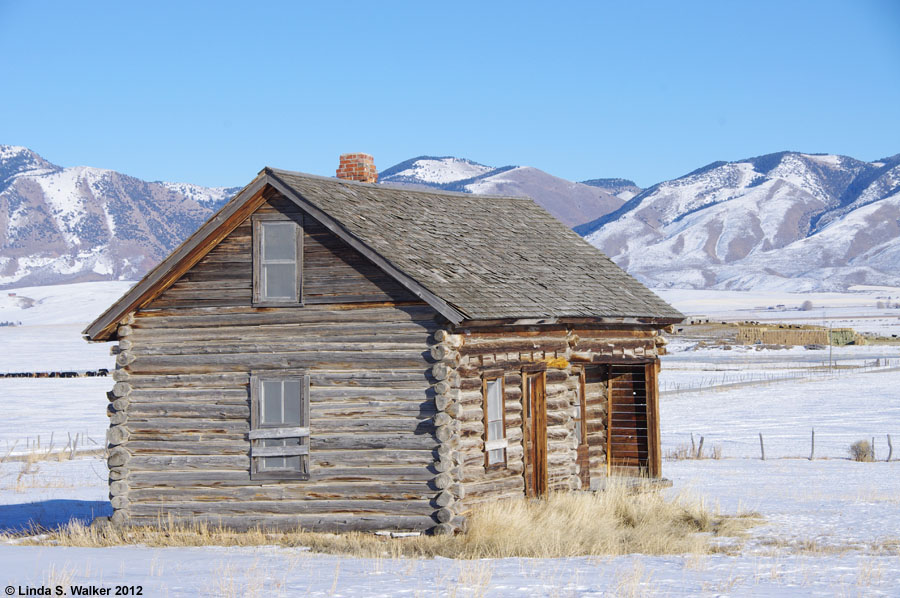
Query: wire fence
[(673, 382)]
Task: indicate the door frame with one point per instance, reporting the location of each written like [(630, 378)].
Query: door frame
[(534, 432)]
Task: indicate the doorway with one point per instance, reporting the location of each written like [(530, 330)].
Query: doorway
[(632, 430)]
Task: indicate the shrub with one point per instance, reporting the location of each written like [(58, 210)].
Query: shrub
[(862, 450)]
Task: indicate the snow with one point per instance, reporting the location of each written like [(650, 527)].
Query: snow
[(77, 303), (489, 185), (202, 195), (443, 170), (831, 160), (831, 526), (857, 309)]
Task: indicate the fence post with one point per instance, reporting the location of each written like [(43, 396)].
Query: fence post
[(812, 449), (890, 448), (762, 448), (693, 451), (700, 448)]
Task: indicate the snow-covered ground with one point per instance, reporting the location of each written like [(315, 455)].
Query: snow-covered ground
[(858, 309), (832, 526)]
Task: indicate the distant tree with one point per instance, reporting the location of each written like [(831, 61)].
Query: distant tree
[(807, 305)]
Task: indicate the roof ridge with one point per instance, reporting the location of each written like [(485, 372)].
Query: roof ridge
[(338, 181)]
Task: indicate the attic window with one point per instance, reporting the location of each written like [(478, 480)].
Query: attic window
[(277, 251)]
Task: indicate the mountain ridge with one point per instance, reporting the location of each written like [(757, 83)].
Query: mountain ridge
[(786, 220)]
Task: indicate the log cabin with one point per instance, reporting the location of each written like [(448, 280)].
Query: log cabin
[(333, 354)]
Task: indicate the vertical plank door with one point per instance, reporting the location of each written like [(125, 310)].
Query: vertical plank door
[(628, 437)]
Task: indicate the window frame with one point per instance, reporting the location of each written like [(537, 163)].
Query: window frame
[(485, 381), (257, 222), (261, 432)]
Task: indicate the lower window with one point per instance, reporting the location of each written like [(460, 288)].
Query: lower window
[(495, 443), (279, 426)]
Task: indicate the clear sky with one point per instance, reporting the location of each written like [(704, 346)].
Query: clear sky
[(209, 92)]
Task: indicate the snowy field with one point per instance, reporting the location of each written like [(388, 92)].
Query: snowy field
[(832, 526), (858, 309)]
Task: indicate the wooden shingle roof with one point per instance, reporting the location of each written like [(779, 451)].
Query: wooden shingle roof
[(489, 257), (472, 257)]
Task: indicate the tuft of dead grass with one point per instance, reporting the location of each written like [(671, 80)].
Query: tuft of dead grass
[(616, 521), (862, 450)]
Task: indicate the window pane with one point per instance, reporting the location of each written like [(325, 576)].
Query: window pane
[(292, 402), (292, 463), (495, 430), (494, 400), (495, 456), (270, 406), (272, 462), (280, 281), (279, 241)]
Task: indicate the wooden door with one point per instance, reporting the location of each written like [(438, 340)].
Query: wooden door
[(630, 425), (535, 433)]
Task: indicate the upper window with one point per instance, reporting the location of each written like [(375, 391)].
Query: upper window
[(277, 251), (494, 424), (279, 425)]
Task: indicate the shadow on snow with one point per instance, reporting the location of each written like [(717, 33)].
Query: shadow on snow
[(49, 514)]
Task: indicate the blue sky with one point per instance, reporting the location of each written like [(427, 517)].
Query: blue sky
[(211, 92)]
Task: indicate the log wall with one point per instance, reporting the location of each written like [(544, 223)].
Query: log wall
[(559, 351), (180, 408)]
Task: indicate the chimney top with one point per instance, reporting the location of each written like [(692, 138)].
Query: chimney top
[(358, 167)]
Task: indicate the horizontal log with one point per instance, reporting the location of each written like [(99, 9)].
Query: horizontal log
[(249, 316), (145, 410), (155, 364), (385, 490), (367, 350), (284, 507), (320, 523)]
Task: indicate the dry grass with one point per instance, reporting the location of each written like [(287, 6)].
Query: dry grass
[(687, 452), (862, 450), (614, 522)]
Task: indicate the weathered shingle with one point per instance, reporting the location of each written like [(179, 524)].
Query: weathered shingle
[(490, 257)]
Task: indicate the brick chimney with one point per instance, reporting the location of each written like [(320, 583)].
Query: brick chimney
[(358, 167)]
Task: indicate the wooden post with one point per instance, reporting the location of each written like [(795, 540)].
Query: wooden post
[(700, 449), (890, 448), (693, 448), (812, 449), (762, 448)]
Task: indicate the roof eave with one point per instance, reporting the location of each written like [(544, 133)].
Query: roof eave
[(654, 321)]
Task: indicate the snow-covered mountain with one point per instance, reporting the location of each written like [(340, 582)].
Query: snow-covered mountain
[(78, 224), (787, 221), (572, 203)]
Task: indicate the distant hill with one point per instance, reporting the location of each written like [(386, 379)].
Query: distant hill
[(787, 221), (572, 203), (78, 224)]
